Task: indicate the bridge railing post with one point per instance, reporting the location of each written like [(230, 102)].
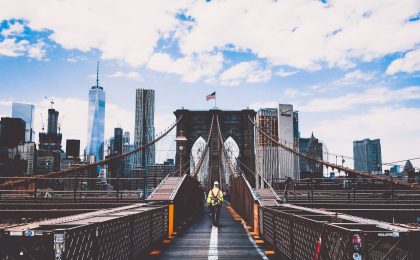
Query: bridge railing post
[(256, 220), (171, 220), (354, 189), (35, 189), (76, 183), (118, 187)]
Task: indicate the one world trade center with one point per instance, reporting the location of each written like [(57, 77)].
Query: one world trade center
[(96, 122)]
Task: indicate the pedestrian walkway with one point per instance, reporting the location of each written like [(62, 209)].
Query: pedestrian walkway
[(202, 241)]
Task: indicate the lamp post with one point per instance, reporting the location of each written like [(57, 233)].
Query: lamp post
[(180, 139)]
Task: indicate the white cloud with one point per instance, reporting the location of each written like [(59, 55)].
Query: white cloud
[(14, 29), (282, 73), (191, 68), (397, 127), (37, 50), (75, 59), (13, 48), (373, 96), (358, 75), (303, 34), (132, 75), (247, 71), (409, 63), (127, 32), (293, 93)]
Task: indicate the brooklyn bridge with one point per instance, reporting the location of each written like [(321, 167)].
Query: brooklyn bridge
[(354, 216)]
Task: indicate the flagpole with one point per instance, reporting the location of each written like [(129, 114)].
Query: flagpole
[(215, 102)]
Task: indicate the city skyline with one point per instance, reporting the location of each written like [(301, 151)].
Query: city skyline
[(366, 88)]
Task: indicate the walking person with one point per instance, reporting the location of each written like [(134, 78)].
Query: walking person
[(215, 200)]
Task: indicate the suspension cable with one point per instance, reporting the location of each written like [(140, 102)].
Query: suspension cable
[(203, 154), (229, 161), (331, 165)]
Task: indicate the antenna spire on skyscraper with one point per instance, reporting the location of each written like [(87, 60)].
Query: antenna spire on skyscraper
[(97, 75)]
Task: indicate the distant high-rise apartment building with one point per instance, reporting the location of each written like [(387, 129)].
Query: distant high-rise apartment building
[(118, 141), (267, 151), (367, 156), (296, 132), (96, 121), (27, 152), (26, 112), (282, 125), (12, 132), (49, 153), (127, 147), (267, 121), (73, 148), (126, 138), (144, 131), (313, 148), (395, 171), (288, 128)]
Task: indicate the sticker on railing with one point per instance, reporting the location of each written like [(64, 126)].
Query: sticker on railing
[(390, 234)]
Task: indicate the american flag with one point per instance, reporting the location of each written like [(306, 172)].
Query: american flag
[(211, 96)]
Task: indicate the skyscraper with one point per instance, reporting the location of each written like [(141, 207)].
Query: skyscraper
[(313, 148), (72, 148), (26, 112), (127, 147), (51, 141), (267, 121), (367, 156), (118, 141), (96, 121), (144, 131), (126, 138), (272, 161), (12, 132), (289, 165), (27, 152), (50, 153), (267, 152)]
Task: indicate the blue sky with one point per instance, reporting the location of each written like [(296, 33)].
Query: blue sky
[(351, 69)]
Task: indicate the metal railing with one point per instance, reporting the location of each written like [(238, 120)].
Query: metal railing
[(120, 233), (300, 234), (243, 198)]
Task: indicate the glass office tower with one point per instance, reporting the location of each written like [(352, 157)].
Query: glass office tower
[(26, 112), (367, 156), (96, 122)]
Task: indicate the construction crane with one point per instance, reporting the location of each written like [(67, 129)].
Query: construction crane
[(51, 101), (59, 124), (42, 122)]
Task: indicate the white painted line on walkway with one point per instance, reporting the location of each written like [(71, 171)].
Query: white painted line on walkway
[(213, 253)]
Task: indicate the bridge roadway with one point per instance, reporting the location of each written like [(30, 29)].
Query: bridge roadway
[(202, 241)]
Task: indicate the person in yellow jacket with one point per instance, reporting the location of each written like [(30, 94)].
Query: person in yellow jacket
[(215, 200)]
